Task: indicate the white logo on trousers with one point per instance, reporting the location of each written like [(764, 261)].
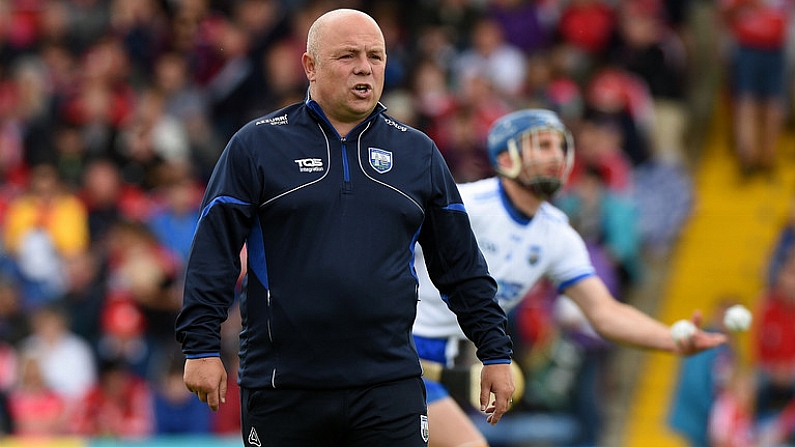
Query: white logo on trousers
[(253, 439)]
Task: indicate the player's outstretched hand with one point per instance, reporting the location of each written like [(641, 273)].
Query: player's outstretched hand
[(496, 380), (206, 378), (699, 340)]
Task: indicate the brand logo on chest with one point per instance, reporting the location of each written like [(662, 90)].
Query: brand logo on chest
[(275, 121), (309, 164)]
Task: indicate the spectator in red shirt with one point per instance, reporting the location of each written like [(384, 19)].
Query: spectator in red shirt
[(731, 420), (773, 345), (119, 406), (757, 75), (35, 408), (623, 97), (588, 26)]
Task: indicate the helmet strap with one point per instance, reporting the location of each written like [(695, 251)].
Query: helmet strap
[(516, 162)]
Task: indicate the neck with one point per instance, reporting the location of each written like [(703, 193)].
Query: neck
[(342, 128), (523, 199)]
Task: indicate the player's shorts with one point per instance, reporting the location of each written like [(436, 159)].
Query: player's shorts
[(759, 72), (392, 414), (434, 349)]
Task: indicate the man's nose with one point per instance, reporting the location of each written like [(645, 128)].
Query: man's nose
[(363, 65)]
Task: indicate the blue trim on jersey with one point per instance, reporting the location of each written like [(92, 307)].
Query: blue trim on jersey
[(218, 200), (202, 356), (565, 285), (497, 362), (456, 207), (315, 107), (256, 253), (345, 169), (413, 250), (518, 216)]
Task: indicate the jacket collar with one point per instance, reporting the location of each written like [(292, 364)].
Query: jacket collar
[(314, 107)]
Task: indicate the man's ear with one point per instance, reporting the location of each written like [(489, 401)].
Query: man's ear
[(504, 161), (509, 163), (309, 66)]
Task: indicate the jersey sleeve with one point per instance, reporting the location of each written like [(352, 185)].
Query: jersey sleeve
[(572, 262), (458, 269), (213, 267)]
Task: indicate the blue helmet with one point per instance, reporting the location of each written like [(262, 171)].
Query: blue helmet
[(507, 134)]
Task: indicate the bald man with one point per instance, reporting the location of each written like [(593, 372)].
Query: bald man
[(330, 195)]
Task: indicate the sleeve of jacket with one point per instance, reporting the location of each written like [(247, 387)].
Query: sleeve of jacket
[(457, 268), (213, 267)]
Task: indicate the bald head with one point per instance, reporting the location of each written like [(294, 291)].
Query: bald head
[(332, 19), (345, 61)]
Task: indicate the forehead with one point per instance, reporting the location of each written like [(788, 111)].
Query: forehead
[(353, 44), (351, 32), (543, 134)]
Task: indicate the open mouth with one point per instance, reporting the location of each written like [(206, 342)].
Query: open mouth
[(362, 88)]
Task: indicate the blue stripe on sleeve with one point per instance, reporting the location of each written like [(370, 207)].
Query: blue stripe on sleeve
[(202, 356), (565, 285), (456, 207), (497, 362), (219, 200), (256, 253)]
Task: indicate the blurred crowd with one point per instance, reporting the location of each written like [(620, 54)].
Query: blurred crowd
[(113, 112), (727, 399)]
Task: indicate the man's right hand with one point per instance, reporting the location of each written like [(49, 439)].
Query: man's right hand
[(496, 379), (206, 378)]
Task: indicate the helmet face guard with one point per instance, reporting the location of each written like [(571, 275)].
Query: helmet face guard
[(541, 155)]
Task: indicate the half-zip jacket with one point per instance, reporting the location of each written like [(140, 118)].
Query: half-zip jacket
[(330, 223)]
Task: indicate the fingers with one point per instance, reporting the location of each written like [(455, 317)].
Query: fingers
[(213, 399), (217, 395), (206, 377), (485, 393), (700, 341), (223, 392), (709, 340), (496, 381), (697, 318), (498, 408), (696, 340)]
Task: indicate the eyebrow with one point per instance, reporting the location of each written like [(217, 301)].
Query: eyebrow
[(356, 49)]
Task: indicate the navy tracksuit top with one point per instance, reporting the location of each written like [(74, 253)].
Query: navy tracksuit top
[(330, 224)]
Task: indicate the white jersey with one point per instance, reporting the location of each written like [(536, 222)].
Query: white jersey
[(519, 252)]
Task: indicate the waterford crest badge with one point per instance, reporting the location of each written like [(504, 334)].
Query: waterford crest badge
[(380, 160), (535, 253), (424, 427)]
